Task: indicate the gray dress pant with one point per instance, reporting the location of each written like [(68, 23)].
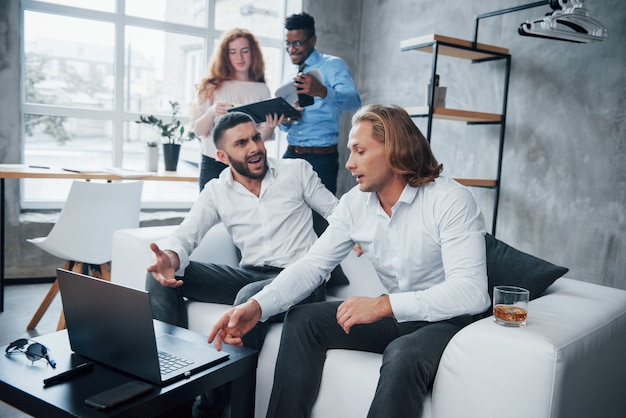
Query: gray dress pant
[(214, 283), (411, 353)]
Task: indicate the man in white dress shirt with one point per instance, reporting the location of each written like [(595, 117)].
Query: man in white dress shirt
[(264, 203), (423, 233)]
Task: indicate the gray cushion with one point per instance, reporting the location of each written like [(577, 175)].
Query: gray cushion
[(508, 266), (337, 278)]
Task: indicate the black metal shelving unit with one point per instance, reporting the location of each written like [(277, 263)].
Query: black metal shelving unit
[(458, 48)]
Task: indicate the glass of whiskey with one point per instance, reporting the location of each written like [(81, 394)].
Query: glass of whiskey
[(510, 306)]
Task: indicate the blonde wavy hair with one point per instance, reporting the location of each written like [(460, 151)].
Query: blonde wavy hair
[(407, 151)]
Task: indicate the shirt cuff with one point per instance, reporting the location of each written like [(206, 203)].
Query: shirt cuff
[(268, 303), (406, 307)]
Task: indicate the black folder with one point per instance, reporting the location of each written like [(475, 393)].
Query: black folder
[(258, 110)]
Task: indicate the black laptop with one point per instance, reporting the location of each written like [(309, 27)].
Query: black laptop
[(112, 324)]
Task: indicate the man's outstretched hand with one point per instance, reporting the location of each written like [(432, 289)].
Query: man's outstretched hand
[(235, 323), (164, 268)]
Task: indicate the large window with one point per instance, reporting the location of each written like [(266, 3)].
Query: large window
[(91, 68)]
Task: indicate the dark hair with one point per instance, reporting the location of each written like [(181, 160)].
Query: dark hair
[(407, 152), (229, 120), (301, 21)]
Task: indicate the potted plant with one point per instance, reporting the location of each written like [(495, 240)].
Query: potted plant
[(152, 156), (173, 133)]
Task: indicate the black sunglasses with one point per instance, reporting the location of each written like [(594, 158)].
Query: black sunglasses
[(35, 351)]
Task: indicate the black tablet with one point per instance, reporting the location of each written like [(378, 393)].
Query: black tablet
[(259, 110)]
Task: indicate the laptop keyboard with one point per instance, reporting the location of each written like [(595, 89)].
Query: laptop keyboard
[(170, 363)]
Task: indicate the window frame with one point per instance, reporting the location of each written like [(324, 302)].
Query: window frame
[(118, 115)]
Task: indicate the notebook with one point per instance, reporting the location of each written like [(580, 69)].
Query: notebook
[(112, 324)]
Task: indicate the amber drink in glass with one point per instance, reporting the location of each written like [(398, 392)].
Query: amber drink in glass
[(510, 306)]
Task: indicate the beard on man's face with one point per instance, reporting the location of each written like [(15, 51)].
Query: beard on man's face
[(242, 167)]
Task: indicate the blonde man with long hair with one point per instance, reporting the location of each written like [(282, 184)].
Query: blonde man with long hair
[(424, 235)]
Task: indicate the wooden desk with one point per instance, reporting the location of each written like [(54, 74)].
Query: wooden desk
[(22, 171)]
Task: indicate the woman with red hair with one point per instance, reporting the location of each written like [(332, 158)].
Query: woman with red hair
[(236, 76)]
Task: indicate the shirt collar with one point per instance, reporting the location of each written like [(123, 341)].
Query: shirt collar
[(313, 58), (408, 196)]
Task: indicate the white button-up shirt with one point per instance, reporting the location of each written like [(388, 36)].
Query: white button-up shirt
[(273, 229), (429, 254)]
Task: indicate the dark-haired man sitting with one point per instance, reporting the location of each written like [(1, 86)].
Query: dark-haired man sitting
[(264, 203)]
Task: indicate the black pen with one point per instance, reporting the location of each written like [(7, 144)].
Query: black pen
[(39, 166), (66, 375)]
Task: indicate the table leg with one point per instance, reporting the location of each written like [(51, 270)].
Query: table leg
[(2, 245), (243, 395)]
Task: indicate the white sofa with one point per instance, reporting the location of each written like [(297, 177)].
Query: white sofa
[(568, 361)]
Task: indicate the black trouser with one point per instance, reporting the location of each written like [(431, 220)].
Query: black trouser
[(215, 402), (326, 166), (411, 353)]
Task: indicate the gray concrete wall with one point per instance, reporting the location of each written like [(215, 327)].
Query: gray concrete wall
[(563, 192), (10, 123), (563, 182)]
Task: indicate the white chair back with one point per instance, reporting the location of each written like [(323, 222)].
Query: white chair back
[(92, 212)]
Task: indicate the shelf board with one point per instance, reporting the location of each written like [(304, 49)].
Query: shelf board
[(458, 48), (455, 114), (477, 182)]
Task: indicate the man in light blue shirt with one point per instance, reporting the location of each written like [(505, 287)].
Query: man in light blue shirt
[(424, 235), (314, 136)]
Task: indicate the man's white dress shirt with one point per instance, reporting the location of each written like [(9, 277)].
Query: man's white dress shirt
[(429, 254), (274, 229)]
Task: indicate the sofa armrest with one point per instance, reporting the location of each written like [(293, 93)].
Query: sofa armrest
[(567, 362), (131, 253)]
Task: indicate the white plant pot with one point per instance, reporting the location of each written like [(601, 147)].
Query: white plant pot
[(152, 158)]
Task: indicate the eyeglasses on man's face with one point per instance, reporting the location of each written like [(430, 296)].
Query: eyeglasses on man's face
[(296, 44), (35, 351)]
